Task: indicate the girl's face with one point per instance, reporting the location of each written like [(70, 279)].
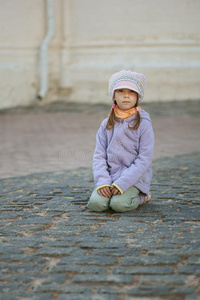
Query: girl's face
[(125, 98)]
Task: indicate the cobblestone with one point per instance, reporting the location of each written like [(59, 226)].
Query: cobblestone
[(52, 247)]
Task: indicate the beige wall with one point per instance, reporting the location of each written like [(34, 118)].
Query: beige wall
[(22, 29), (93, 39)]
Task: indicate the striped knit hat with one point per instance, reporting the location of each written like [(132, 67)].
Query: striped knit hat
[(129, 80)]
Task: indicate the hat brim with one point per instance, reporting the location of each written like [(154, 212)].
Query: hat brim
[(123, 86)]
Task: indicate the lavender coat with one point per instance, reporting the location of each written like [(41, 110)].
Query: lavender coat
[(123, 156)]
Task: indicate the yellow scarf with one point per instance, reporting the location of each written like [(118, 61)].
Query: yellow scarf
[(125, 114)]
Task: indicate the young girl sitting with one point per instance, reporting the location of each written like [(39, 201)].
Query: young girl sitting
[(122, 163)]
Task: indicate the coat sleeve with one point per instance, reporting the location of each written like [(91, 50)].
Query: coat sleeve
[(100, 166), (142, 162)]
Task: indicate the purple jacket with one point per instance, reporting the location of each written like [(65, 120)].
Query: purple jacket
[(123, 157)]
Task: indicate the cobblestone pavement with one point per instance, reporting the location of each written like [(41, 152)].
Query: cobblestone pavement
[(52, 247)]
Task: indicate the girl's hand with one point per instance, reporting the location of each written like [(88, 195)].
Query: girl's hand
[(105, 191), (114, 190)]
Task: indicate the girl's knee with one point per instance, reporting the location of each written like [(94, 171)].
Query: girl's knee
[(119, 205), (98, 203)]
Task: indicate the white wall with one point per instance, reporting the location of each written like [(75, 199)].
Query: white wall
[(93, 39), (160, 38), (22, 29)]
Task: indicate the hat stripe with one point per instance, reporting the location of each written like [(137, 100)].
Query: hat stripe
[(129, 78)]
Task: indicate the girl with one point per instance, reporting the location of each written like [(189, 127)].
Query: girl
[(122, 163)]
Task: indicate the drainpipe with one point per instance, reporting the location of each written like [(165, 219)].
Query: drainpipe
[(44, 50)]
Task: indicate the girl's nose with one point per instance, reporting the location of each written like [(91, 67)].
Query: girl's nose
[(126, 94)]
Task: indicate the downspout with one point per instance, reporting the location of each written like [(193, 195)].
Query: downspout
[(44, 82)]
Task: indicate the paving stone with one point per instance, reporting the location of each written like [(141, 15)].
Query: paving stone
[(182, 290), (65, 268), (9, 249), (151, 290), (54, 234), (90, 259), (194, 260), (24, 258), (87, 297), (32, 220), (21, 268), (8, 296), (38, 296), (61, 243), (102, 278), (151, 260), (55, 278), (160, 290), (12, 287), (60, 251), (111, 289), (179, 251), (189, 269), (143, 298), (21, 242), (164, 279), (52, 247), (101, 245), (26, 228), (16, 278), (31, 296), (116, 252), (63, 288), (192, 297), (142, 270)]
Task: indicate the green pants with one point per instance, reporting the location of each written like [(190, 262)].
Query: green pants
[(119, 203)]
